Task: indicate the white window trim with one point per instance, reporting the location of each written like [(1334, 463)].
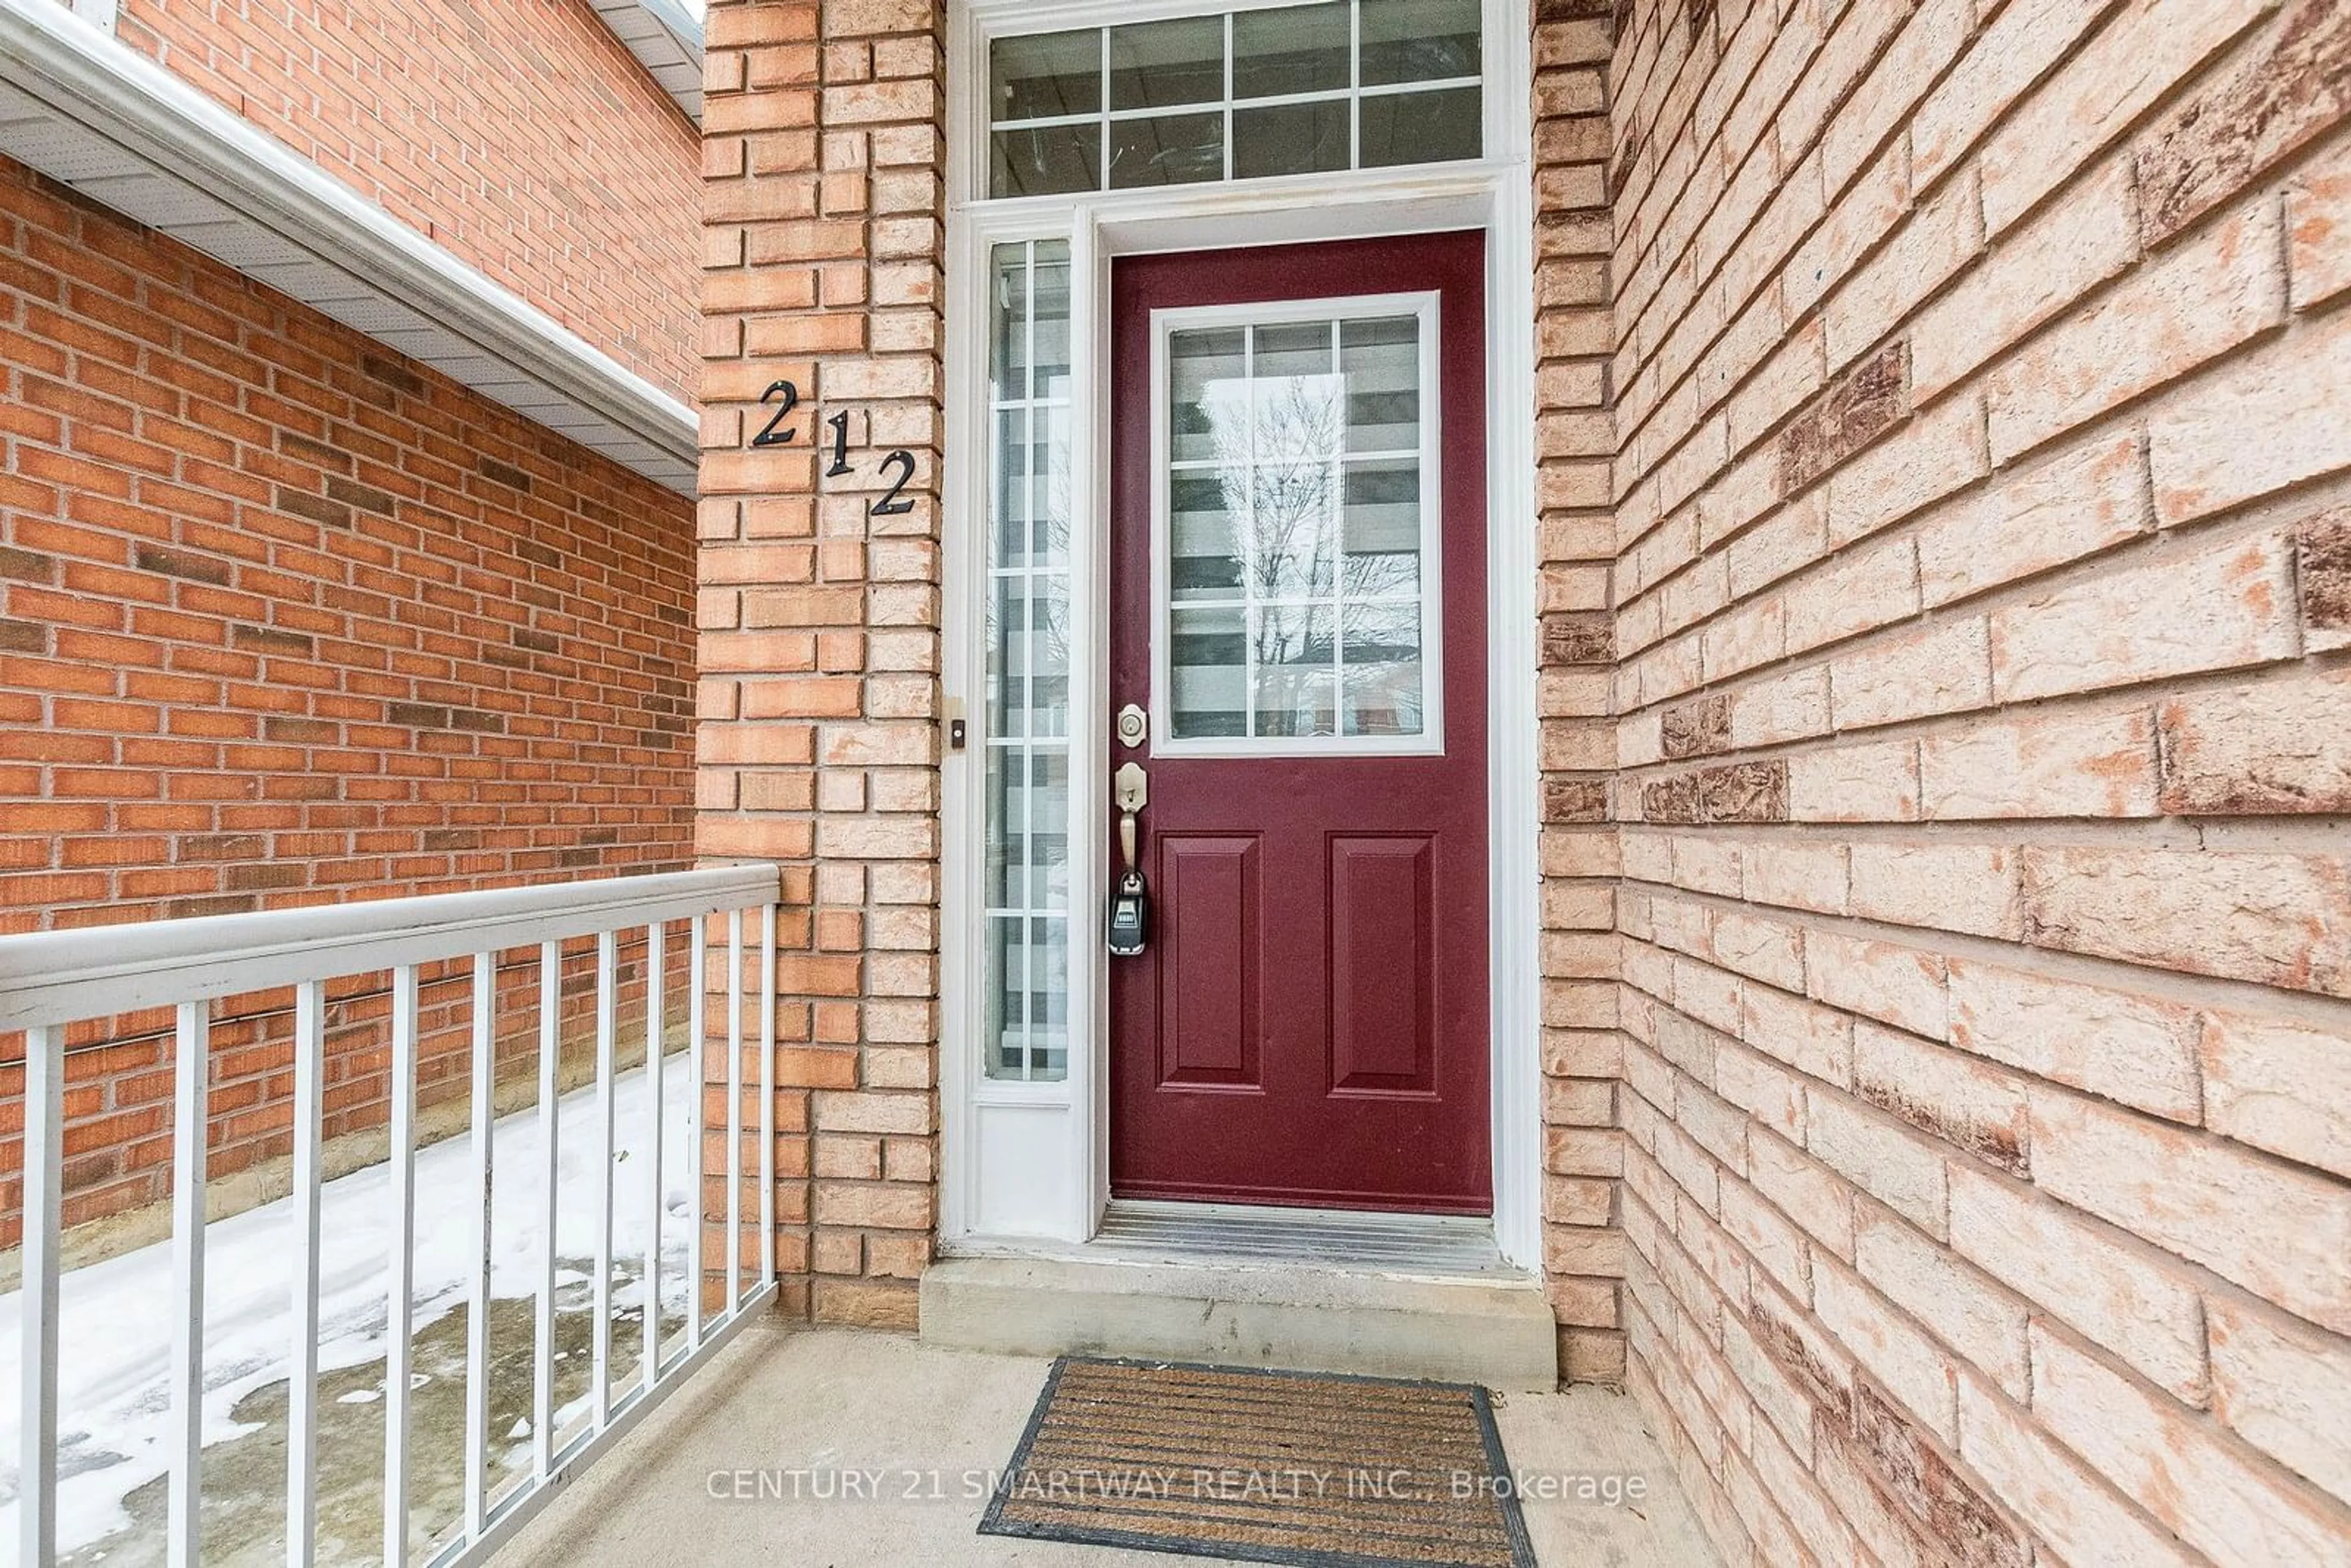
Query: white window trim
[(1052, 1139), (1430, 740)]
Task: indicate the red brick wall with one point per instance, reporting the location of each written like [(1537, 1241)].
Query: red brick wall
[(1984, 506), (285, 620), (520, 135)]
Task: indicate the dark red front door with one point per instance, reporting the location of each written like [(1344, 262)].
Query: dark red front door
[(1298, 604)]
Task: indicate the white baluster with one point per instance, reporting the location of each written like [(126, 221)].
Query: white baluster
[(190, 1109), (766, 1093), (550, 1048), (45, 1154), (698, 982), (607, 982), (302, 1382), (734, 1110), (477, 1282), (657, 980), (400, 1290)]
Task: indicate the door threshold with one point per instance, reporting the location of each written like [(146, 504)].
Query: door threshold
[(1268, 1235), (1379, 1295)]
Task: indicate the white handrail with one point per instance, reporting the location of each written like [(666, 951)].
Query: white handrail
[(52, 980), (64, 977)]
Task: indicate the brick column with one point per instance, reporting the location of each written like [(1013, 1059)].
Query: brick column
[(824, 158), (1575, 438)]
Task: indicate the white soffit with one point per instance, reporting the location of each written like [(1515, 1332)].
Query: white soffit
[(90, 112), (666, 37)]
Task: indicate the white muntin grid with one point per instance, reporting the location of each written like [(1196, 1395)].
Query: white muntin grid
[(1427, 596), (1027, 906), (1228, 106)]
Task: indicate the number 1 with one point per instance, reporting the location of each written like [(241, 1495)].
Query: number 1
[(839, 424)]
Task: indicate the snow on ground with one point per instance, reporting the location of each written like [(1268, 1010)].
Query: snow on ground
[(115, 1317)]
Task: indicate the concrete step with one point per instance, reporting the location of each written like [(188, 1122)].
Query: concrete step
[(1301, 1317)]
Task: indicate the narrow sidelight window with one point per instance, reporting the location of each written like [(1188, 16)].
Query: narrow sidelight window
[(1026, 726)]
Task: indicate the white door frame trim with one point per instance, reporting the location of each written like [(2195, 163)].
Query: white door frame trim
[(1052, 1138)]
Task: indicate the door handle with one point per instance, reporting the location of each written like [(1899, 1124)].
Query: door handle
[(1130, 791), (1129, 923)]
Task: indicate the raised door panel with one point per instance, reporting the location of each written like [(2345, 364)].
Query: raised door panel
[(1383, 971), (1210, 1022)]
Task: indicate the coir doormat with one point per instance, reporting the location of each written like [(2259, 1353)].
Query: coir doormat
[(1272, 1467)]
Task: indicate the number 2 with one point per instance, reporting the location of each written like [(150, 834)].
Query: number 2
[(768, 434), (892, 504)]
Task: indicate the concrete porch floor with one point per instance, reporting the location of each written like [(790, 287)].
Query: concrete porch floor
[(810, 1405)]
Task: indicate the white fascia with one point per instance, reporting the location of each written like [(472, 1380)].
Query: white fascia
[(92, 113), (666, 37)]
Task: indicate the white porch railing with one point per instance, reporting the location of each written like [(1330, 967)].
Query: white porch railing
[(50, 982)]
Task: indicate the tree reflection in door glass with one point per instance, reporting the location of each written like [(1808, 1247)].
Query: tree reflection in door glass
[(1295, 530), (1296, 690)]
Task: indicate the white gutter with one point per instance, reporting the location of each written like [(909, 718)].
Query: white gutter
[(94, 114), (666, 39)]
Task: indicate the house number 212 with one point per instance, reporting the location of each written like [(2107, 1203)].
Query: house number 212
[(786, 396)]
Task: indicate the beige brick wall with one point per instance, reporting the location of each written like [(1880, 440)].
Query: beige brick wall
[(1574, 437), (1983, 574), (819, 644)]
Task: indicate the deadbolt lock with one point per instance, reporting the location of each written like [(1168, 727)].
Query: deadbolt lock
[(1134, 726)]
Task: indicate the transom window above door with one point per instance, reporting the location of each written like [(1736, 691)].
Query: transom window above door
[(1297, 90), (1294, 536)]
